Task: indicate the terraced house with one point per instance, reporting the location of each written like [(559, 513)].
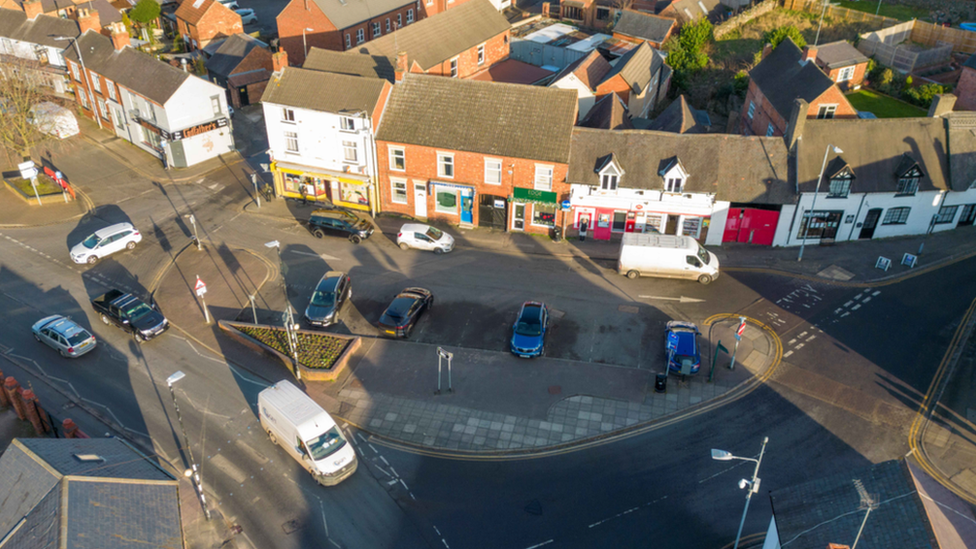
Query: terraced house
[(30, 45)]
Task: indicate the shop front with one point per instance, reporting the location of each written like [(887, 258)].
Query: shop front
[(455, 202), (605, 216), (533, 211), (341, 189)]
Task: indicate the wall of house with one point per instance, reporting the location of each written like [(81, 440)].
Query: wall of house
[(716, 228), (217, 22), (191, 105), (763, 115), (833, 96), (615, 84), (496, 50), (583, 93), (855, 81), (966, 90), (254, 93), (433, 7)]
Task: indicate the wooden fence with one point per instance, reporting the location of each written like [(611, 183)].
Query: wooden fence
[(837, 12)]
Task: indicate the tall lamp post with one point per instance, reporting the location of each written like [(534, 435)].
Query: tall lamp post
[(813, 205), (752, 485), (87, 78), (304, 43), (193, 472)]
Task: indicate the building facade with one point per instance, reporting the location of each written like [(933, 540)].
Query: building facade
[(28, 44), (201, 21)]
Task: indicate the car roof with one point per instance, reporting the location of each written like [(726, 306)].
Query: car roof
[(416, 227), (112, 229), (65, 327), (331, 275)]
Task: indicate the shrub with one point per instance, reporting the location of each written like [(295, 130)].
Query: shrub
[(922, 95), (776, 36)]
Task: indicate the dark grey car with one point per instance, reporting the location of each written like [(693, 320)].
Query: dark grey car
[(331, 293)]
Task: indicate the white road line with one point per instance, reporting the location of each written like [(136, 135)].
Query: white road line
[(856, 307), (384, 460), (848, 304), (412, 496), (787, 353), (875, 294), (371, 447), (800, 346), (324, 522), (391, 482), (404, 485), (845, 314), (811, 338), (539, 544), (436, 530), (445, 543), (865, 300), (384, 471), (858, 296)]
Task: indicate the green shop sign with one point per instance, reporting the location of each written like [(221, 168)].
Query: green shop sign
[(534, 196)]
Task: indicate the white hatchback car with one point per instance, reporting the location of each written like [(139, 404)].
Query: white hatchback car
[(247, 16), (105, 242), (424, 237)]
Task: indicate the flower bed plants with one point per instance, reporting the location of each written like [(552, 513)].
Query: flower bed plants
[(314, 350)]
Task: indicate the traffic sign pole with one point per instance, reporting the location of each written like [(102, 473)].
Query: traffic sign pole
[(738, 338), (201, 290)]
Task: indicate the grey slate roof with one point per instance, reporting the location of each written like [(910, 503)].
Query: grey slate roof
[(735, 168), (693, 7), (962, 143), (510, 120), (119, 462), (782, 78), (346, 13), (874, 150), (643, 26), (437, 39), (609, 113), (637, 66), (971, 62), (825, 510), (323, 91), (354, 65), (840, 54), (231, 52), (129, 67), (41, 30), (680, 117)]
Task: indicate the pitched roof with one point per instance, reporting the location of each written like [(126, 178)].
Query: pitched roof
[(735, 168), (971, 62), (637, 66), (40, 30), (875, 150), (231, 52), (589, 69), (680, 117), (514, 71), (962, 140), (609, 113), (346, 13), (355, 65), (456, 30), (129, 67), (689, 10), (107, 13), (323, 91), (510, 120), (840, 54), (643, 25), (782, 78), (192, 11)]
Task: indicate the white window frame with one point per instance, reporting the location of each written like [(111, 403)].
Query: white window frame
[(350, 149), (543, 177), (398, 184), (454, 67), (348, 41), (826, 112), (437, 205), (360, 36), (83, 95), (845, 74), (410, 16), (752, 110), (102, 108), (608, 181), (110, 86), (215, 105), (75, 72), (377, 29), (347, 124), (287, 115), (481, 54), (399, 20), (445, 160), (291, 137), (394, 156), (770, 130), (674, 185), (388, 25), (95, 82), (430, 2), (490, 168)]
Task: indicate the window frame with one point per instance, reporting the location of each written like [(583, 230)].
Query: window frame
[(893, 216), (410, 16), (393, 157), (360, 36), (445, 160), (500, 164), (752, 110), (454, 67), (536, 210), (287, 115), (377, 29), (846, 191), (481, 54), (388, 25), (849, 71), (110, 87), (292, 137), (770, 130), (609, 181), (394, 186), (674, 185), (348, 146), (826, 112), (399, 21), (940, 216), (541, 169), (438, 190), (76, 72), (215, 105), (348, 40), (606, 16), (907, 186), (347, 124), (96, 83)]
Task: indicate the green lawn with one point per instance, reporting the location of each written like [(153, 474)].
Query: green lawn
[(883, 106), (888, 9)]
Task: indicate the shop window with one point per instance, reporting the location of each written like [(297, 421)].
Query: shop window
[(291, 182), (896, 216), (353, 194), (349, 152), (398, 159), (399, 189), (493, 172), (822, 224), (543, 178), (445, 165), (446, 201), (653, 224), (544, 214), (691, 226)]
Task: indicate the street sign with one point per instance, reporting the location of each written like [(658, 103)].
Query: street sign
[(27, 169), (883, 263), (909, 259), (444, 354), (672, 342), (742, 328), (200, 287), (566, 205)]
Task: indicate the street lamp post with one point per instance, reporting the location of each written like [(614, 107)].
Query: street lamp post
[(752, 485), (813, 205), (193, 222), (305, 44), (193, 472), (87, 78)]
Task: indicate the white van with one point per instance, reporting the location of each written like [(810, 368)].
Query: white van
[(666, 256), (307, 432)]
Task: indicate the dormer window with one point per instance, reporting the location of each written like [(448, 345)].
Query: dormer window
[(908, 178), (907, 185), (609, 172), (673, 184), (608, 182), (674, 175)]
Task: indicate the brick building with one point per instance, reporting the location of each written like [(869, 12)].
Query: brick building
[(28, 44), (842, 62), (502, 164), (966, 87), (201, 21), (242, 64), (784, 75)]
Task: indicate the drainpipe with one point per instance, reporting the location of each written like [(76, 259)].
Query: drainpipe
[(374, 177)]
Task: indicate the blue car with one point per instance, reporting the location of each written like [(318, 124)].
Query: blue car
[(529, 331), (681, 346)]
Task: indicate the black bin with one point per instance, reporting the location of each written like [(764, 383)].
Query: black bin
[(557, 234), (660, 383)]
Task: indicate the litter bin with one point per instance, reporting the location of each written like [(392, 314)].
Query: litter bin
[(557, 234), (660, 383)]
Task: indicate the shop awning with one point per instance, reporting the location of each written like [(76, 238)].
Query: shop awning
[(533, 196)]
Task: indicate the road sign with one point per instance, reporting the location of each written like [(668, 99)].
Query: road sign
[(27, 169), (444, 354), (200, 287), (566, 205), (740, 329)]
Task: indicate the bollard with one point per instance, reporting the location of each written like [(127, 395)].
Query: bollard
[(10, 386), (71, 430), (30, 408), (4, 401)]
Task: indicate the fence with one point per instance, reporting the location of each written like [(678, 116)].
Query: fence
[(837, 12), (888, 47), (931, 34), (537, 54), (737, 21)]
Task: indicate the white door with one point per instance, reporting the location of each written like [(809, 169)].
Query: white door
[(419, 200)]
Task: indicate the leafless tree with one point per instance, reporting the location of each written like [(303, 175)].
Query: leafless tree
[(22, 86)]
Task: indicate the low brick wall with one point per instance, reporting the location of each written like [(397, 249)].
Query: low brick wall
[(307, 374), (57, 198)]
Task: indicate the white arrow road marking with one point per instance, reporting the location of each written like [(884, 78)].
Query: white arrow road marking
[(681, 299), (326, 257)]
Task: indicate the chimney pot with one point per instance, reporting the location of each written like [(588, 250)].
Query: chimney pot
[(401, 66), (942, 104), (120, 36), (279, 60), (88, 20)]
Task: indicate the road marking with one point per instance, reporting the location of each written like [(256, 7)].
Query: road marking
[(539, 544), (856, 307), (322, 507), (681, 299), (865, 300), (875, 294), (326, 257), (787, 354), (231, 470)]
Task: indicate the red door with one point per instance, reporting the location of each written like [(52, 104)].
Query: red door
[(732, 223), (751, 226)]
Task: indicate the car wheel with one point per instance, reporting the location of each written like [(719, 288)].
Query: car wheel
[(438, 251), (272, 437), (106, 320), (632, 274), (705, 279), (318, 233), (62, 353), (130, 246), (355, 239), (37, 338), (92, 259), (404, 246)]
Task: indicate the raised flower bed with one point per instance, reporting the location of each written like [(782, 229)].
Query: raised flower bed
[(321, 356), (47, 188)]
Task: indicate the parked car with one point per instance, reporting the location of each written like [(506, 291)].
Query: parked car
[(230, 4), (399, 319), (247, 16), (105, 242), (131, 314), (666, 256), (331, 293), (339, 223), (63, 335), (529, 330), (681, 346), (424, 237)]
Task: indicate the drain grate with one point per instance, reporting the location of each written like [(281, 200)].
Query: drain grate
[(555, 389)]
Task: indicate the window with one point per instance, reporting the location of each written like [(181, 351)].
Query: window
[(845, 74), (110, 86), (481, 54), (946, 214), (430, 2), (896, 216), (83, 96), (215, 103), (118, 119), (543, 178), (619, 222), (75, 72), (410, 16), (399, 191), (101, 107), (826, 111), (360, 36), (454, 68), (752, 110), (288, 115), (445, 165), (348, 41), (399, 20), (571, 12), (291, 142), (446, 201), (608, 182), (149, 137), (907, 186), (398, 159), (376, 29), (544, 214), (387, 24), (840, 187), (823, 224), (347, 124), (770, 130), (673, 185), (691, 226), (602, 14), (95, 82), (493, 172), (349, 153)]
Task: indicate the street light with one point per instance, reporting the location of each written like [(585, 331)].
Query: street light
[(98, 115), (752, 485), (193, 472), (813, 205), (287, 318), (304, 44)]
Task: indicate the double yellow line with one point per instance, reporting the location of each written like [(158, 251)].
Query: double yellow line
[(917, 431)]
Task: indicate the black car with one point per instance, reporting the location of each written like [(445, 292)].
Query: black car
[(402, 315), (131, 314), (339, 223), (329, 296)]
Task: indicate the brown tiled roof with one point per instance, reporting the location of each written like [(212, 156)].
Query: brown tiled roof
[(513, 71), (589, 69), (354, 65), (609, 113), (192, 11), (323, 91), (510, 120)]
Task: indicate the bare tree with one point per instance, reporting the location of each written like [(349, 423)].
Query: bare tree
[(22, 86)]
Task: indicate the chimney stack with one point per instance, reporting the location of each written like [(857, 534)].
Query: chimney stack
[(33, 8), (120, 36), (88, 20), (767, 49), (798, 118), (401, 66), (809, 53), (279, 60), (942, 104), (545, 9), (837, 546)]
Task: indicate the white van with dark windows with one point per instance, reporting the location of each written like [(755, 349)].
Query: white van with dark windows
[(666, 256)]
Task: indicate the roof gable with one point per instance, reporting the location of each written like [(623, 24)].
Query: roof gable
[(782, 78), (609, 113), (347, 13), (590, 70), (232, 52), (643, 26), (324, 91), (637, 67), (40, 30), (193, 11), (680, 117)]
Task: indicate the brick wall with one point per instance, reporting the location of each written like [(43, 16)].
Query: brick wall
[(217, 22), (496, 49), (615, 84), (856, 80), (833, 96), (763, 115), (966, 90)]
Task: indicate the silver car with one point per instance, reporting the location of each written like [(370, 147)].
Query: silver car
[(63, 335), (107, 241), (424, 237)]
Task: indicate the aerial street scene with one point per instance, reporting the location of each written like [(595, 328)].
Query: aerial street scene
[(488, 274)]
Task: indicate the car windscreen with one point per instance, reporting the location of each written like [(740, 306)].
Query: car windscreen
[(434, 233), (529, 324), (137, 311), (323, 298), (325, 444), (91, 242), (703, 254), (78, 337), (400, 306)]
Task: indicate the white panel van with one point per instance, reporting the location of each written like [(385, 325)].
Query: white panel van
[(307, 432), (666, 256)]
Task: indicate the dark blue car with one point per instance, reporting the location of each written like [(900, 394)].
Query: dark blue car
[(681, 346), (529, 331)]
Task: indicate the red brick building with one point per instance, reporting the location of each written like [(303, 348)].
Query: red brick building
[(476, 153), (201, 21), (95, 14), (966, 88), (243, 65), (784, 75), (842, 62), (634, 26)]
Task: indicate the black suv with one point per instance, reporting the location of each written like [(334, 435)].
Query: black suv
[(339, 223)]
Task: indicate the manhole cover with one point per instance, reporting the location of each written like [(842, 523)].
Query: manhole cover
[(534, 508), (555, 389), (292, 526)]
